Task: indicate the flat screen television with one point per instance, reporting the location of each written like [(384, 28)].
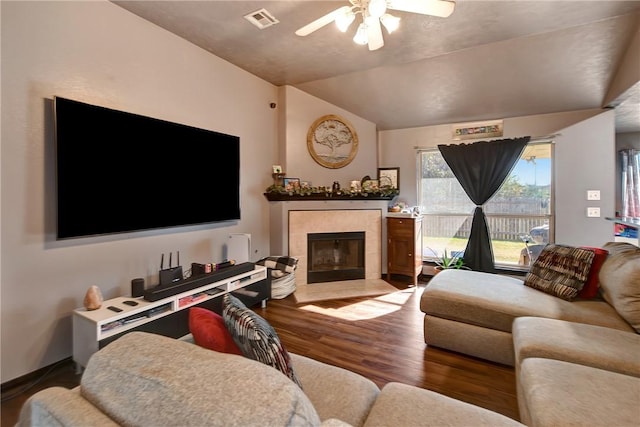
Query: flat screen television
[(120, 172)]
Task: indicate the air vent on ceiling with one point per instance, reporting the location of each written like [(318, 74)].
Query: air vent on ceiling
[(261, 18)]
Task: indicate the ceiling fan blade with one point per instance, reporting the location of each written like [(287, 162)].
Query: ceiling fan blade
[(321, 22), (374, 33), (440, 8)]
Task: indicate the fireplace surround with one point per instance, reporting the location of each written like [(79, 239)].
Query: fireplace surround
[(303, 222)]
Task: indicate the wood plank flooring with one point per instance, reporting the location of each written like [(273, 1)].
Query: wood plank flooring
[(382, 339), (378, 337)]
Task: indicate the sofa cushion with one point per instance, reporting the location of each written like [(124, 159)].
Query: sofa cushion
[(209, 331), (592, 285), (494, 301), (463, 337), (255, 337), (560, 270), (148, 379), (59, 406), (558, 393), (620, 281), (619, 247), (595, 346), (405, 405), (351, 396)]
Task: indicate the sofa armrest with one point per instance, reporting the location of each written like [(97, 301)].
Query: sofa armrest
[(58, 406), (406, 405), (335, 392), (556, 393), (589, 345)]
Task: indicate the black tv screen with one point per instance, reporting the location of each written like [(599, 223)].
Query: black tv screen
[(121, 172)]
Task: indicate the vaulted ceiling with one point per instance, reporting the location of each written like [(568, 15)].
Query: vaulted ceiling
[(488, 60)]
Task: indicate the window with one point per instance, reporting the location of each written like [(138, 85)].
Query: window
[(519, 216)]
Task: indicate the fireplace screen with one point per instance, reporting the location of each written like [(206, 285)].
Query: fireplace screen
[(335, 256)]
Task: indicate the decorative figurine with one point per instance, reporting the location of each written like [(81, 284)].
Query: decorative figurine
[(93, 298)]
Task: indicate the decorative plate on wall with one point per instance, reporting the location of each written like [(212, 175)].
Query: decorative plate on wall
[(332, 141)]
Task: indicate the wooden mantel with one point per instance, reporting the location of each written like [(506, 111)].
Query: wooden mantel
[(280, 197)]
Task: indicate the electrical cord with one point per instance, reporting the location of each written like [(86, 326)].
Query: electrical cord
[(35, 382)]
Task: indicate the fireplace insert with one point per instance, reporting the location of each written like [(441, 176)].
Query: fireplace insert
[(335, 256)]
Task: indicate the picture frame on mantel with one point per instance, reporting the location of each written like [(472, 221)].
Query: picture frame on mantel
[(291, 183), (389, 177)]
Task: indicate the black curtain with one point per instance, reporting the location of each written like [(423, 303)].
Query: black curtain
[(481, 168)]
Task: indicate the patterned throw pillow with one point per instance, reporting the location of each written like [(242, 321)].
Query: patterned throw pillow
[(209, 331), (560, 271), (256, 337), (285, 264)]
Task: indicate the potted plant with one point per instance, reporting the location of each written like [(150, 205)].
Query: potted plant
[(446, 262)]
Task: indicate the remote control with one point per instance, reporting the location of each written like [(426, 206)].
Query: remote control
[(116, 309)]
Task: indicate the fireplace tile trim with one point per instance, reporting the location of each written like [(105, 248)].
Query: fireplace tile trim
[(302, 222)]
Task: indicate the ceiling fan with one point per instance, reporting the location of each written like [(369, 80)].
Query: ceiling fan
[(374, 13)]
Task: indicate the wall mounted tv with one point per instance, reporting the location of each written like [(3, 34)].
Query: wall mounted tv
[(121, 172)]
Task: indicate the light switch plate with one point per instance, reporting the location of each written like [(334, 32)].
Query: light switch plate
[(593, 212), (593, 194)]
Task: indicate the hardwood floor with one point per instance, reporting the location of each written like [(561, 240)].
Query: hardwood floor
[(382, 339), (15, 393), (378, 337)]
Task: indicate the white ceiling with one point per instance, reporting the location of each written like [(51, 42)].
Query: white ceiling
[(488, 60)]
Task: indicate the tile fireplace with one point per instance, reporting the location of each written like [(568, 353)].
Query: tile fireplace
[(302, 223)]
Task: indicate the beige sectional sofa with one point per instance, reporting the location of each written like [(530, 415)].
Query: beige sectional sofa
[(472, 312), (577, 362), (143, 379), (576, 374)]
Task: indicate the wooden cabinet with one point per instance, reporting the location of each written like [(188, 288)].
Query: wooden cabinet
[(404, 247)]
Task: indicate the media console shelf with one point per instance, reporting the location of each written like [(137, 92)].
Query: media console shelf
[(93, 329), (626, 230)]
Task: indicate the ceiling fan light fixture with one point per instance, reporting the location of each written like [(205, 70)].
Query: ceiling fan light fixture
[(390, 22), (374, 16), (377, 8), (361, 36), (344, 20)]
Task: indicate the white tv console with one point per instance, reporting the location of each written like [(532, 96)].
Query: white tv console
[(93, 329)]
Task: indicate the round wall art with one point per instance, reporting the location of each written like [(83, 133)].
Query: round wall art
[(332, 141)]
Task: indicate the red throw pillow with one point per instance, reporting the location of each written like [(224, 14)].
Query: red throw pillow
[(590, 288), (208, 330)]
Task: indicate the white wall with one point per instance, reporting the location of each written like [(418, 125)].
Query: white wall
[(99, 53), (584, 161), (302, 110), (298, 112)]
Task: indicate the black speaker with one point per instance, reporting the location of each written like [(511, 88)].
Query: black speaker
[(137, 287)]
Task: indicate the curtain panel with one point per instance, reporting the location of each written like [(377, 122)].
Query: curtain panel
[(630, 185), (481, 168)]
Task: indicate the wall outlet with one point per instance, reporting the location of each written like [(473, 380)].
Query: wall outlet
[(593, 212), (593, 195)]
